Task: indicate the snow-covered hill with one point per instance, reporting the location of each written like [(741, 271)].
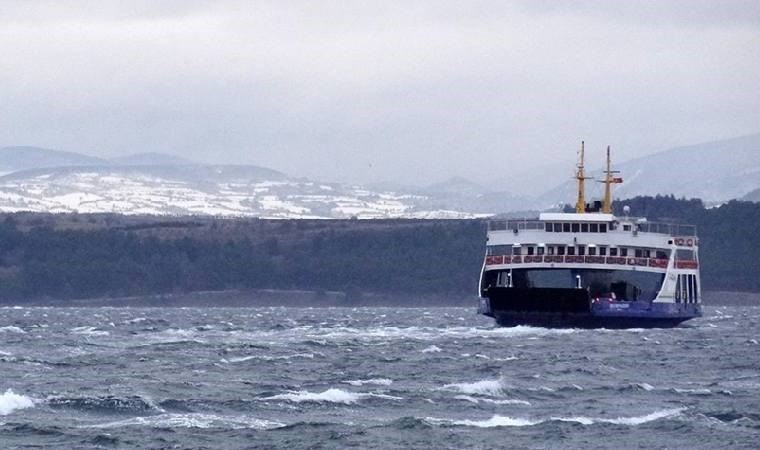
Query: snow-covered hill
[(203, 190), (152, 183)]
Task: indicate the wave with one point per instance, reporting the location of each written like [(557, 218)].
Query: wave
[(504, 421), (508, 401), (194, 420), (377, 381), (431, 349), (268, 358), (482, 387), (107, 405), (331, 395), (89, 331), (11, 329), (637, 387), (10, 401)]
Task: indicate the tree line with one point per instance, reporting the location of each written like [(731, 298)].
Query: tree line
[(46, 257)]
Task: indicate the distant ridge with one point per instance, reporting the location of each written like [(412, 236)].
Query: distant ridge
[(152, 159), (26, 157), (712, 171)]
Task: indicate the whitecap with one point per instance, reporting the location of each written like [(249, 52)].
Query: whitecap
[(431, 349), (270, 358), (137, 320), (638, 420), (331, 395), (495, 421), (504, 421), (507, 401), (195, 420), (377, 381), (11, 329), (89, 331), (701, 391), (482, 387), (10, 401)]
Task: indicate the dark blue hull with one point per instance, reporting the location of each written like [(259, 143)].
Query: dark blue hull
[(573, 308)]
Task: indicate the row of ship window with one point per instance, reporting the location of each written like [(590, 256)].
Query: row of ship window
[(580, 250), (574, 227)]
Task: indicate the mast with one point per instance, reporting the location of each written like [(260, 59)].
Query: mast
[(580, 205), (608, 181)]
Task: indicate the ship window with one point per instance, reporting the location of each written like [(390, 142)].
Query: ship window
[(678, 290), (627, 227), (566, 227), (647, 253), (550, 250), (691, 288), (602, 251), (516, 251), (594, 227), (639, 253), (570, 250), (661, 254), (557, 227), (581, 250), (592, 251), (584, 228), (560, 249), (623, 252), (576, 227), (548, 227), (499, 250), (685, 255), (540, 251), (530, 251), (602, 227), (696, 292), (613, 251)]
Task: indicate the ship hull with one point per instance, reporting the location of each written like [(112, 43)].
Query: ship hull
[(573, 308)]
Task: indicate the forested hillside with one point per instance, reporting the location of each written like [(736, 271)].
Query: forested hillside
[(68, 256)]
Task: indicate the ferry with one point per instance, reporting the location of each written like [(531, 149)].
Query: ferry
[(590, 268)]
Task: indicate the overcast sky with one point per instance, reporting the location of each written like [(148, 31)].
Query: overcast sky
[(408, 91)]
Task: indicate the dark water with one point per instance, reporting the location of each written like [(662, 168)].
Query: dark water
[(370, 378)]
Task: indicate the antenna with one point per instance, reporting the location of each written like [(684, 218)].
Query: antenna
[(608, 181), (580, 175)]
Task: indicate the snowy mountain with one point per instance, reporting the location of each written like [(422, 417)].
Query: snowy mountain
[(202, 190), (154, 183), (714, 171)]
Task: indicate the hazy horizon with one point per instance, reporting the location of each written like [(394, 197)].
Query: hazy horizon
[(379, 92)]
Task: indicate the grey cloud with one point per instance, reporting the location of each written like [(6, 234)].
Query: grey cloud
[(374, 91)]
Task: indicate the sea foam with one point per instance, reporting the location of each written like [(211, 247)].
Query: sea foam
[(331, 395), (482, 387), (504, 421), (195, 420), (10, 401), (11, 329), (376, 381)]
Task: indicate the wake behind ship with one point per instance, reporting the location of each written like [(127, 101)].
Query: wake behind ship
[(590, 268)]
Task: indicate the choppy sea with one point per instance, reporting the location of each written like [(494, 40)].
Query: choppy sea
[(370, 378)]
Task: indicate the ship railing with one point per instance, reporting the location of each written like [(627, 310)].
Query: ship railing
[(666, 228), (660, 263)]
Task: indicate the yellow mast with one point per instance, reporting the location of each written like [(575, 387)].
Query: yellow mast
[(580, 205), (608, 181)]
